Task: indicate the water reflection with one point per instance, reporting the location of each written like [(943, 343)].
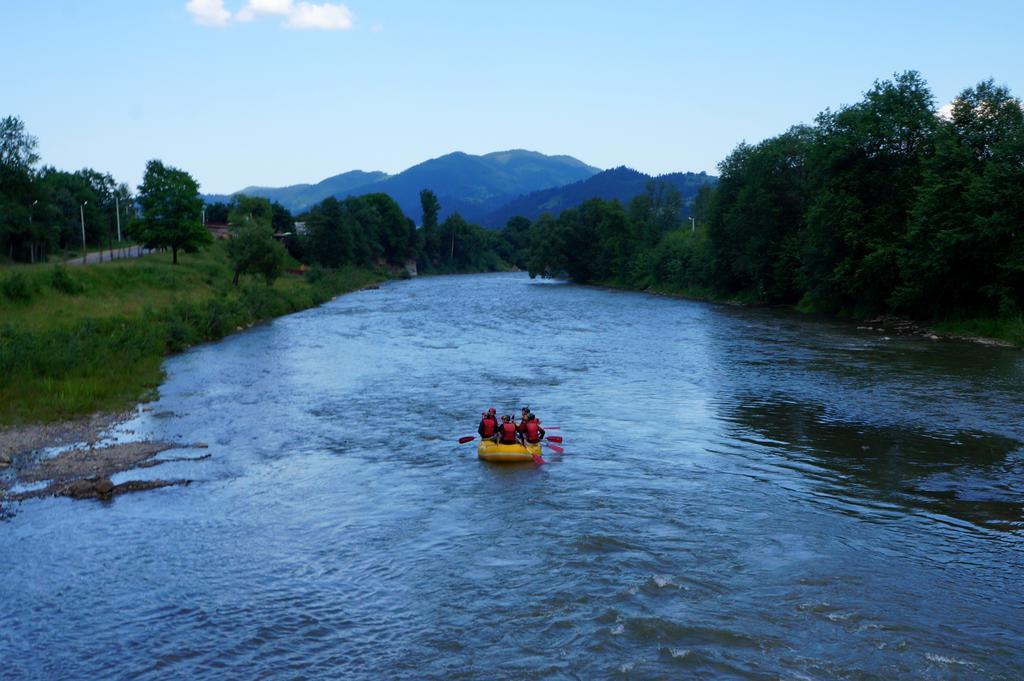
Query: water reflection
[(965, 474)]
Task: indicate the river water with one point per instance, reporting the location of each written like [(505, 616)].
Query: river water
[(744, 494)]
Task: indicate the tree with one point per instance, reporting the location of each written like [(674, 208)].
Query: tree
[(253, 250), (217, 212), (17, 157), (171, 211), (281, 218), (431, 207), (17, 147)]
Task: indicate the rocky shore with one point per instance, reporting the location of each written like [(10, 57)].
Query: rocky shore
[(83, 471)]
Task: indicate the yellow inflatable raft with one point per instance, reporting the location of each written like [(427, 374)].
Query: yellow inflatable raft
[(491, 451)]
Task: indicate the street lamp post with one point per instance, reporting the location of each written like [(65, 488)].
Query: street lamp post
[(693, 225), (32, 248), (81, 212), (117, 210)]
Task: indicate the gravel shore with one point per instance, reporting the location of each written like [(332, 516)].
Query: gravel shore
[(84, 470)]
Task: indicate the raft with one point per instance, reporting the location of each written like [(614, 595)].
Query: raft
[(491, 451)]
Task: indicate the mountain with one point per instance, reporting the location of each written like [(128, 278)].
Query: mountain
[(475, 185), (620, 183), (299, 197), (472, 185)]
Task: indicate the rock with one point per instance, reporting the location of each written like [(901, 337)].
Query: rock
[(201, 445), (932, 336), (104, 487), (5, 460), (80, 489)]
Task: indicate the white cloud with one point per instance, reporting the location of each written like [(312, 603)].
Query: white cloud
[(327, 16), (209, 12), (946, 111), (254, 8)]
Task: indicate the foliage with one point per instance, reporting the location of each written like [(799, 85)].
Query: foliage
[(253, 250), (366, 230), (882, 206), (16, 286), (63, 282), (171, 211), (55, 358)]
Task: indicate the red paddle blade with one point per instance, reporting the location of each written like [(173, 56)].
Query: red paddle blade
[(468, 438), (538, 460), (554, 438), (553, 428), (554, 448)]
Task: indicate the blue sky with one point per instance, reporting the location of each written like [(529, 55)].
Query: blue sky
[(303, 90)]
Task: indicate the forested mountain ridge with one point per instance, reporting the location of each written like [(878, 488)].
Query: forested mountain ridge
[(464, 182), (620, 184), (298, 197)]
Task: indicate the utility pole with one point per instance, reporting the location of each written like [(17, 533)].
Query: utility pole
[(81, 211), (32, 248), (693, 225), (117, 209)]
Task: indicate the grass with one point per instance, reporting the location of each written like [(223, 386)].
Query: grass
[(76, 340), (1009, 329)]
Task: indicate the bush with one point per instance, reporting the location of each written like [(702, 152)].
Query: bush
[(16, 286), (62, 282)]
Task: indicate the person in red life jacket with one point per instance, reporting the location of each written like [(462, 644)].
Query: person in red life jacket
[(532, 431), (507, 433), (488, 428), (521, 426)]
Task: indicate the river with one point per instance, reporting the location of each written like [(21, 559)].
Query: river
[(745, 493)]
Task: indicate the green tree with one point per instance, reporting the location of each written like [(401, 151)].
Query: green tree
[(244, 209), (281, 218), (962, 253), (253, 250), (171, 211), (17, 147), (864, 167), (217, 212), (431, 207), (17, 158)]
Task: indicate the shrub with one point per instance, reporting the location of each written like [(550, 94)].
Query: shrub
[(62, 282), (16, 286)]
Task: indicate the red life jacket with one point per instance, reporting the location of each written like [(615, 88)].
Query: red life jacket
[(508, 433), (487, 427), (532, 432)]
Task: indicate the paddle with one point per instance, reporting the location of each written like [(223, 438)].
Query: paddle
[(538, 460), (555, 438), (468, 438), (554, 448)]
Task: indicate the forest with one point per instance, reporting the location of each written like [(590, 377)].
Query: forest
[(886, 206)]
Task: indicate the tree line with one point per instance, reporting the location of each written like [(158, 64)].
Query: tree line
[(42, 210), (883, 206)]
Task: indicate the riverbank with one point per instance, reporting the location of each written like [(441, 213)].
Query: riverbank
[(1003, 333), (80, 341), (84, 468)]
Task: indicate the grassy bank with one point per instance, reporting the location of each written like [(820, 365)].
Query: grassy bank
[(75, 340), (1006, 330)]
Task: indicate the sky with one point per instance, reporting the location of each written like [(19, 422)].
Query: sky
[(278, 92)]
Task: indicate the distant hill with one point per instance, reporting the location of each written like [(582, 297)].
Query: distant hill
[(300, 197), (618, 183), (472, 185)]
